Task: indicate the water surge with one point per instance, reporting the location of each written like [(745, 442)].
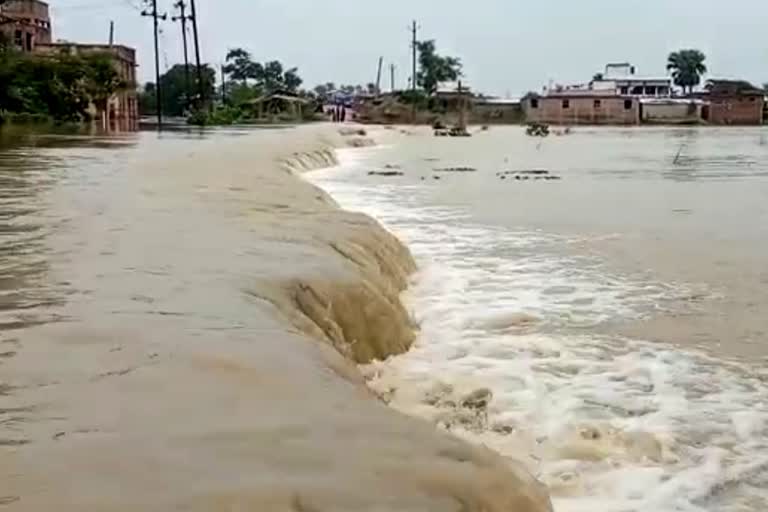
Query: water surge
[(216, 307)]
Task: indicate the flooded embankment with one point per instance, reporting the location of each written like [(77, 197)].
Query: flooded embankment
[(606, 291), (179, 320)]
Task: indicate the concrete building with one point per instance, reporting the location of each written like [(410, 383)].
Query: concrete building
[(673, 111), (496, 111), (123, 107), (621, 77), (26, 23), (568, 109)]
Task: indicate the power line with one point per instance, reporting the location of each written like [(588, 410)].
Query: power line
[(158, 87), (414, 45), (183, 18), (200, 86)]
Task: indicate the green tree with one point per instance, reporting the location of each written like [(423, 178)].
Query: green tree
[(291, 80), (238, 94), (174, 88), (102, 81), (272, 79), (435, 68), (687, 67), (240, 67), (322, 91)]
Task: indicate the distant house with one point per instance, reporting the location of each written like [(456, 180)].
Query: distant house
[(281, 103), (570, 109), (496, 110), (621, 77), (733, 102), (451, 96)]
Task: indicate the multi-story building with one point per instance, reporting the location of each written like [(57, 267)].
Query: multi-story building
[(25, 23), (621, 77), (123, 107)]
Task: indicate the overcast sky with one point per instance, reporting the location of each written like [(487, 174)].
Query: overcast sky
[(508, 46)]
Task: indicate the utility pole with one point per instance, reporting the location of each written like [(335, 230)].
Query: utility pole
[(200, 86), (414, 45), (392, 77), (223, 86), (111, 33), (183, 18), (158, 88), (378, 77)]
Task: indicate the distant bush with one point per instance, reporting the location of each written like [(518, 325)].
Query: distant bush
[(221, 116)]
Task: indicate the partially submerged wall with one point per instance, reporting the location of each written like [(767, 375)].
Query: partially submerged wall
[(170, 408)]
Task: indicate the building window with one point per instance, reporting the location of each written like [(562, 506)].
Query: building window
[(627, 104), (624, 90), (18, 38), (598, 103), (752, 99), (566, 104), (29, 44), (637, 90), (534, 102)]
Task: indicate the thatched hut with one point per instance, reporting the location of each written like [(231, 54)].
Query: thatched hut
[(283, 104)]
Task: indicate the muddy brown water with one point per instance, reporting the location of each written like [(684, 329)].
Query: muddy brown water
[(676, 218)]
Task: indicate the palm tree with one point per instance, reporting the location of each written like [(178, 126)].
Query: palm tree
[(687, 67)]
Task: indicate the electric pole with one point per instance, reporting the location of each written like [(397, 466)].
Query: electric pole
[(392, 77), (414, 45), (183, 18), (378, 77), (158, 88), (200, 85), (223, 86)]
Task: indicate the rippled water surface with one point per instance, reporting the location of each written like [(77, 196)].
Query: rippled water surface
[(617, 314)]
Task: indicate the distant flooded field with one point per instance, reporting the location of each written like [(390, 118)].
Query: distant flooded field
[(609, 287)]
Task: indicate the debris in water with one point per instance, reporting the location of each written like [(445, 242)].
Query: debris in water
[(537, 130), (535, 174), (455, 169), (385, 173), (478, 399)]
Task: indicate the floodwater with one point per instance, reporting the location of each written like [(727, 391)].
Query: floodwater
[(616, 311)]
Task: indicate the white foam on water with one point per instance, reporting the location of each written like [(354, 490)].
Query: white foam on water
[(614, 425)]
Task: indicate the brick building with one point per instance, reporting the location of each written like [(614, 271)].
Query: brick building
[(25, 23), (569, 109), (733, 102)]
